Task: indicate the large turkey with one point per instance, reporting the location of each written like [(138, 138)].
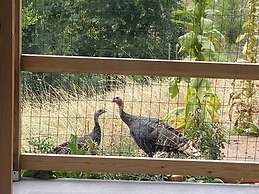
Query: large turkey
[(154, 136), (93, 138)]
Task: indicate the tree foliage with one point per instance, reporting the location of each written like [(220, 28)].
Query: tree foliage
[(130, 28)]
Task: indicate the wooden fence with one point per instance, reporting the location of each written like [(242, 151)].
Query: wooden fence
[(225, 169), (11, 65)]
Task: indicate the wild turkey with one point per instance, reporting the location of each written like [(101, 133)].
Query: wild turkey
[(153, 135), (93, 137)]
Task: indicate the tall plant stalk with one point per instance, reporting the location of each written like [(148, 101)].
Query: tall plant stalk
[(199, 11), (244, 101), (199, 116)]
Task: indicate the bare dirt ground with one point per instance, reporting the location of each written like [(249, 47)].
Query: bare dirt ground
[(245, 148)]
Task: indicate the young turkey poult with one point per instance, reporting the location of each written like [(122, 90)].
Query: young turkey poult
[(154, 136), (84, 141)]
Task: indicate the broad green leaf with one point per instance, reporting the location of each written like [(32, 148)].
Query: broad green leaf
[(183, 12), (72, 144), (212, 12), (216, 37), (176, 111), (186, 41), (206, 43), (239, 130), (206, 24), (253, 129), (176, 117), (174, 88), (187, 25)]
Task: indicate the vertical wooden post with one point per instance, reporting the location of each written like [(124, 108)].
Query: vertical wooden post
[(17, 87), (6, 94)]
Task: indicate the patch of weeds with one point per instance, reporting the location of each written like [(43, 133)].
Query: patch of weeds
[(203, 179), (40, 145)]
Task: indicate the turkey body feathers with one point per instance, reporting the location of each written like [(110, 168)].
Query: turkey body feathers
[(96, 134), (153, 135)]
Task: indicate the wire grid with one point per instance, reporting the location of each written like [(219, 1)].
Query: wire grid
[(132, 29), (54, 105), (59, 113)]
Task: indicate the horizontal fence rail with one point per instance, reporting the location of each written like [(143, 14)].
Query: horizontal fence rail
[(72, 64), (212, 168)]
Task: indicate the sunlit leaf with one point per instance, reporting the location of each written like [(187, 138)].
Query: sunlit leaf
[(206, 24), (206, 43), (211, 12), (186, 24), (241, 37), (182, 12), (186, 41), (244, 51), (174, 88), (253, 129)]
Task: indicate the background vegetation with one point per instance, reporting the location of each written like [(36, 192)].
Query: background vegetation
[(197, 30)]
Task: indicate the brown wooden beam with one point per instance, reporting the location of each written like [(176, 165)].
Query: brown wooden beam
[(6, 94), (17, 88), (227, 169), (45, 63)]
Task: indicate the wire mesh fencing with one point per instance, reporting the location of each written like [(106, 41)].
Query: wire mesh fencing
[(214, 30), (217, 115)]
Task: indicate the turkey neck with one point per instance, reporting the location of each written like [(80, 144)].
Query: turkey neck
[(97, 130), (96, 120), (121, 107), (124, 116)]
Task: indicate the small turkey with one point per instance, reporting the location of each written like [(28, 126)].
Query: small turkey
[(154, 136), (93, 138)]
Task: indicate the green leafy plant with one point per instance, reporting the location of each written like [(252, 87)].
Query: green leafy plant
[(199, 117), (250, 36), (30, 16), (253, 129), (79, 147), (225, 16), (199, 43), (41, 145), (92, 28), (202, 39), (211, 140), (202, 105)]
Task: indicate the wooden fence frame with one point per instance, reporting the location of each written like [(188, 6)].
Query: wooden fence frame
[(39, 63), (230, 170), (129, 66), (233, 170), (9, 60)]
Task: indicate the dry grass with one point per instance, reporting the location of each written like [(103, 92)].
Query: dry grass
[(74, 115)]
